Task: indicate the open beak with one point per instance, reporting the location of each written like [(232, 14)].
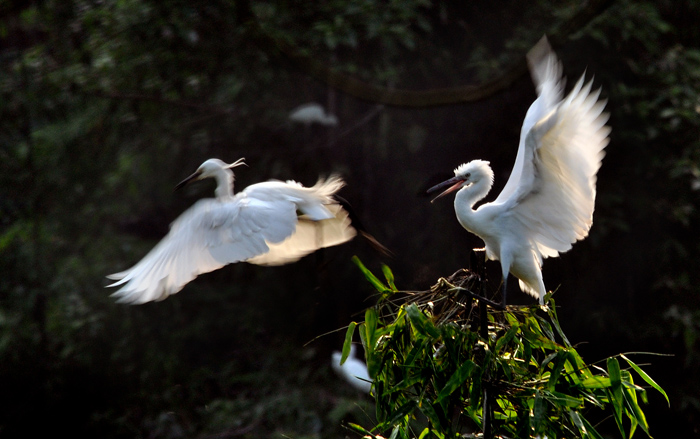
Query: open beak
[(188, 180), (452, 185)]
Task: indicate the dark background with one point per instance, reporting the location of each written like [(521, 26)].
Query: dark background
[(106, 105)]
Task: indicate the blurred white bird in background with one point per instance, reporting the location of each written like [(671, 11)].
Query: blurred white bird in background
[(548, 202), (259, 225), (311, 113), (353, 370)]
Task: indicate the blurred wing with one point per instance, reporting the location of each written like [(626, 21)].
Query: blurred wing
[(563, 151), (308, 237), (546, 73), (204, 238)]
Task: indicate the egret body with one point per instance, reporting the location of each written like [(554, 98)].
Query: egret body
[(312, 112), (259, 225), (353, 370), (548, 202)]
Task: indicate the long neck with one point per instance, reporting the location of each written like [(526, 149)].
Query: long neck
[(224, 184), (465, 200)]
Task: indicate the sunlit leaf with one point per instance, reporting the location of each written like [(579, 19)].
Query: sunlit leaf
[(646, 378), (389, 276), (420, 322), (616, 391), (347, 344), (376, 283)]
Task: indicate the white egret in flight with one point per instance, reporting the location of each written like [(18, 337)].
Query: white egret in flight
[(312, 113), (547, 203), (259, 225), (353, 370)]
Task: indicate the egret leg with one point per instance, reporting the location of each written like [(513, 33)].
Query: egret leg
[(505, 289)]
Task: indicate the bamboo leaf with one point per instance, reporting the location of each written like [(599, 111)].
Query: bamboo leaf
[(592, 432), (376, 283), (347, 344), (371, 321), (616, 396), (507, 337), (555, 320), (538, 411), (596, 382), (401, 413), (562, 399), (389, 276), (420, 322), (457, 379), (557, 366), (646, 378), (633, 410), (360, 429)]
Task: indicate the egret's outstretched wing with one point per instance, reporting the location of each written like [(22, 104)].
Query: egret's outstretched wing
[(563, 151), (546, 71), (204, 238), (308, 237)]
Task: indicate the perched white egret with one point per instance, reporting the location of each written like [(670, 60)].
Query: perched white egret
[(353, 370), (312, 113), (547, 203), (259, 225)]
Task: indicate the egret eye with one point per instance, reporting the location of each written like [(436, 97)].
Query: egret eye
[(469, 174)]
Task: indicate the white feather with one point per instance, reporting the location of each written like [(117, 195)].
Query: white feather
[(548, 202), (258, 225), (353, 370)]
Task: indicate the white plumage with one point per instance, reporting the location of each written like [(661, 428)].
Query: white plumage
[(259, 225), (548, 202), (353, 370), (312, 113)]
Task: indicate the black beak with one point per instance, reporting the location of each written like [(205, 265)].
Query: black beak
[(452, 185), (188, 180)]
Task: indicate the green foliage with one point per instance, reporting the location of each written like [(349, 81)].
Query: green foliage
[(431, 353)]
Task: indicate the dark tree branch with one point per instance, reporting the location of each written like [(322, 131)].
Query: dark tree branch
[(411, 98)]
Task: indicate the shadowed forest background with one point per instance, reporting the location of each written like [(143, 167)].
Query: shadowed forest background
[(106, 105)]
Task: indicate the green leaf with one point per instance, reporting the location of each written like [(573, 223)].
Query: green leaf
[(507, 337), (389, 276), (359, 429), (429, 410), (616, 396), (371, 321), (538, 411), (402, 412), (376, 283), (562, 399), (457, 379), (555, 320), (596, 382), (634, 412), (347, 344), (646, 378), (592, 432), (420, 322), (557, 366)]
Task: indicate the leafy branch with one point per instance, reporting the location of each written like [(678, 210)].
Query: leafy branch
[(431, 365)]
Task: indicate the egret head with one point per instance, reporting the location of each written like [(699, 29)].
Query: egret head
[(210, 169), (465, 175)]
